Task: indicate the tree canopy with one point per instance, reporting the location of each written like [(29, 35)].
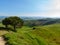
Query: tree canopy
[(13, 21)]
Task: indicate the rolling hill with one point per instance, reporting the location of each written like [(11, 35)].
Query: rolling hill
[(42, 35)]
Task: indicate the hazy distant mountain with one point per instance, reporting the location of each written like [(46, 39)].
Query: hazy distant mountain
[(31, 18), (24, 18), (1, 17), (40, 20)]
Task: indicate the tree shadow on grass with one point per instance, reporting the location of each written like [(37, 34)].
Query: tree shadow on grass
[(6, 29)]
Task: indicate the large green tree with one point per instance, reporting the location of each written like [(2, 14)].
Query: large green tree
[(13, 21)]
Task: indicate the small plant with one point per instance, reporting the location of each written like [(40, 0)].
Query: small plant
[(34, 28)]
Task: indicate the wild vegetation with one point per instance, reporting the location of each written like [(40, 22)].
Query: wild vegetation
[(34, 35)]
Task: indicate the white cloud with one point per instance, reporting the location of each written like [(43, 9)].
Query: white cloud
[(56, 4), (53, 9)]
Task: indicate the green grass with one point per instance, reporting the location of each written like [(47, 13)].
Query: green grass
[(1, 25), (42, 35)]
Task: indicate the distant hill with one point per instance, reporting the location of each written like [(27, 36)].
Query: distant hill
[(43, 21), (36, 20), (31, 18), (1, 17), (24, 17)]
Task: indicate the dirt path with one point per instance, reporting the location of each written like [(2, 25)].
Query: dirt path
[(2, 41)]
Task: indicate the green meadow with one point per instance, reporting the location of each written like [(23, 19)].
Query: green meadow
[(42, 35)]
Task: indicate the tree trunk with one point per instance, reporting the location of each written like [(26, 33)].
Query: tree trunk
[(14, 28), (6, 26)]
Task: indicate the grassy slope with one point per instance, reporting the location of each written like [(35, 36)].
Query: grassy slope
[(2, 31), (45, 35)]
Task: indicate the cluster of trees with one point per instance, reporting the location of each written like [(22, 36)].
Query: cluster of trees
[(13, 21)]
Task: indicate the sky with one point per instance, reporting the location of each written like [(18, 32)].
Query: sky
[(37, 8)]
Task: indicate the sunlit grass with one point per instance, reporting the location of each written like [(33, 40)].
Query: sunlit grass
[(42, 35)]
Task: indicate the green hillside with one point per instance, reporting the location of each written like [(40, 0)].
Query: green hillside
[(42, 35)]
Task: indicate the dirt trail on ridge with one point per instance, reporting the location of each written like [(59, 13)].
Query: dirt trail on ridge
[(2, 41)]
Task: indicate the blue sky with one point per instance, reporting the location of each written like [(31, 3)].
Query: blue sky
[(45, 8)]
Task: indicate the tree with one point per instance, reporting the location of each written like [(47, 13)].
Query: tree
[(6, 22), (15, 21)]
